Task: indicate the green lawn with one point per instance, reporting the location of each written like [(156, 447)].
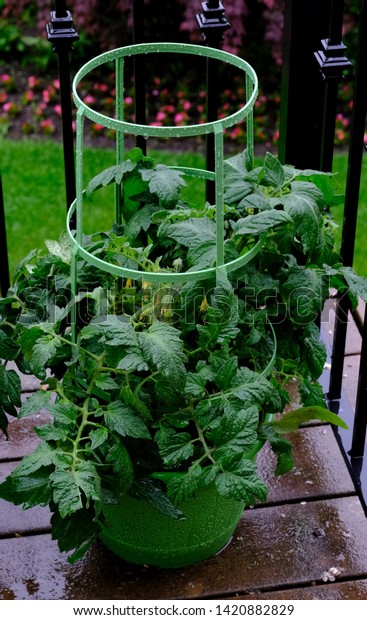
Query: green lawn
[(34, 194)]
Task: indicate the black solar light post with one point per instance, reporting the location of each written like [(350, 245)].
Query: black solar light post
[(213, 24), (61, 33)]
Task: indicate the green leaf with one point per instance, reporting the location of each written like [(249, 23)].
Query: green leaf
[(174, 447), (31, 490), (292, 421), (236, 191), (121, 463), (98, 436), (124, 421), (34, 403), (236, 432), (114, 174), (9, 349), (14, 387), (311, 394), (273, 172), (241, 483), (148, 491), (191, 232), (227, 373), (44, 350), (195, 385), (133, 401), (141, 220), (161, 346), (313, 351), (301, 204), (282, 450), (249, 386), (165, 183), (75, 531), (71, 487), (105, 382), (260, 222), (305, 292), (133, 361), (357, 284), (182, 486)]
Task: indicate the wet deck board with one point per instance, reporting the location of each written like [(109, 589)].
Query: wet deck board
[(312, 522)]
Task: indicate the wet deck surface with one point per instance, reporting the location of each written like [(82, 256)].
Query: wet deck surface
[(309, 541)]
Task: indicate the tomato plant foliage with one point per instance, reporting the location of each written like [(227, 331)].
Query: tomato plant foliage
[(169, 387)]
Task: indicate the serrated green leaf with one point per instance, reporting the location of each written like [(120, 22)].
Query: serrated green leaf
[(191, 232), (44, 350), (124, 421), (98, 436), (236, 432), (105, 382), (133, 361), (260, 222), (236, 191), (273, 172), (13, 387), (250, 387), (313, 351), (292, 421), (114, 174), (174, 447), (148, 491), (311, 394), (76, 531), (226, 373), (282, 450), (357, 284), (302, 206), (195, 385), (133, 400), (34, 403), (165, 182), (70, 487), (161, 346), (31, 490), (182, 486), (121, 463), (9, 349), (241, 483)]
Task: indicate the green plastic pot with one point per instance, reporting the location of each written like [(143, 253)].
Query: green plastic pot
[(138, 533)]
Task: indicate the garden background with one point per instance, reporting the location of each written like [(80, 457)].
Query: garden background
[(30, 112)]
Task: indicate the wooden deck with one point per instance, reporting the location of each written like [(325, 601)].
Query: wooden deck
[(309, 541)]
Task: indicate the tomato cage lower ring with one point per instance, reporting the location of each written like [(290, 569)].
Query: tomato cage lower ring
[(124, 127)]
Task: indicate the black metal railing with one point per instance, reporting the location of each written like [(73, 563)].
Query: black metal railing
[(314, 62)]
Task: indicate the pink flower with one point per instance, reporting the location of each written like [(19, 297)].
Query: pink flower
[(178, 118), (56, 84), (47, 126), (128, 100), (156, 124), (89, 99), (186, 105), (33, 81), (46, 96), (160, 116), (57, 109), (7, 106), (170, 109)]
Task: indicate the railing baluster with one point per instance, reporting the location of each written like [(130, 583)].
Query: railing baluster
[(139, 72), (4, 261), (61, 32)]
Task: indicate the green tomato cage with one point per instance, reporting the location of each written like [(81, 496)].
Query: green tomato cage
[(123, 127)]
